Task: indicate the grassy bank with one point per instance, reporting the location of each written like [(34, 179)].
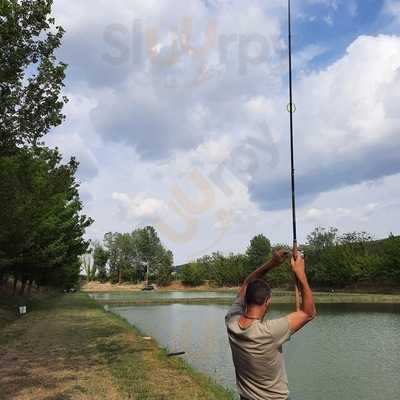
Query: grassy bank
[(67, 347)]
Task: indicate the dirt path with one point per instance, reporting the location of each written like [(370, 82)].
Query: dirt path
[(72, 349)]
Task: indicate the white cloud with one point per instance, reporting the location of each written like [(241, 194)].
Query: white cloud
[(366, 207), (213, 151), (316, 214), (370, 208), (259, 106), (346, 125), (73, 145), (139, 208), (346, 98)]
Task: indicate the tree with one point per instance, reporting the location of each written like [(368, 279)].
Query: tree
[(164, 271), (355, 238), (88, 266), (223, 270), (387, 271), (192, 274), (164, 275), (258, 251), (121, 249), (212, 267), (282, 275), (41, 225), (130, 254), (350, 260), (318, 240), (111, 245), (100, 260), (31, 79), (321, 238)]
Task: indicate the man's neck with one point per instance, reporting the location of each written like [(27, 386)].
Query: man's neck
[(254, 312)]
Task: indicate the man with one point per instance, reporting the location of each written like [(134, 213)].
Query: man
[(256, 342)]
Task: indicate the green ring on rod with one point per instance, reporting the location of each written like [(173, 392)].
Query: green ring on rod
[(291, 107)]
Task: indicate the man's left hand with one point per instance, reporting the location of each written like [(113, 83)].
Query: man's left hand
[(280, 256)]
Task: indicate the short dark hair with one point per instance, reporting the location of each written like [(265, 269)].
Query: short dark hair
[(257, 292)]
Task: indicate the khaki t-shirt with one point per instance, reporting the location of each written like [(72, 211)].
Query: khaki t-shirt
[(257, 355)]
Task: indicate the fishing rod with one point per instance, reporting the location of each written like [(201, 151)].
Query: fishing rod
[(292, 109)]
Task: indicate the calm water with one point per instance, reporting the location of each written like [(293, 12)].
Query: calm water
[(347, 353)]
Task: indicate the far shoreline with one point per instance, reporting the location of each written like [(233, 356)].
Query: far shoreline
[(96, 286), (280, 296)]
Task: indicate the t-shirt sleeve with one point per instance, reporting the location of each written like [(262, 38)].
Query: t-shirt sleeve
[(237, 308), (279, 329)]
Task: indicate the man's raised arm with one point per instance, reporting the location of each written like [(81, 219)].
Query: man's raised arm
[(300, 318), (277, 259)]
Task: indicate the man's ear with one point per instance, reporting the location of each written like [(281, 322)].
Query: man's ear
[(268, 302)]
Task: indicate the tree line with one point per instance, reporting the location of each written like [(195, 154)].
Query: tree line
[(130, 257), (333, 261), (41, 220), (232, 269), (352, 259)]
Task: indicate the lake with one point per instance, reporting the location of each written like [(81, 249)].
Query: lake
[(348, 352)]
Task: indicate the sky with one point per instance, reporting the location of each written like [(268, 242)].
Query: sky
[(178, 115)]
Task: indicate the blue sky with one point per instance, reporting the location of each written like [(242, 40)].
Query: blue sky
[(335, 28), (194, 137)]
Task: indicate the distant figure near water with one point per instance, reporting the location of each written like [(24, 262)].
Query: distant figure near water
[(255, 341)]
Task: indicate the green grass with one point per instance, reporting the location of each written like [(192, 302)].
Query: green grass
[(68, 347)]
